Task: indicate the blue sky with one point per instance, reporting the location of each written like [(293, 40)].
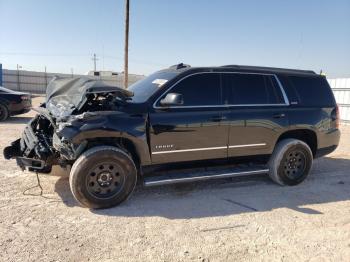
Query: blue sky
[(313, 34)]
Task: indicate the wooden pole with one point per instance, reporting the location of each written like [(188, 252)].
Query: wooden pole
[(126, 47)]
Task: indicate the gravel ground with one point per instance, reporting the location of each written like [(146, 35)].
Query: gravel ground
[(227, 220)]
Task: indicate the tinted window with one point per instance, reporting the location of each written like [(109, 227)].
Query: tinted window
[(243, 89), (199, 90), (290, 91), (312, 91)]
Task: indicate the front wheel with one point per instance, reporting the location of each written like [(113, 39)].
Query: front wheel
[(290, 162), (4, 113), (103, 177)]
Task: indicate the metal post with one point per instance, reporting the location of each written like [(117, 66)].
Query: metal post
[(18, 79), (45, 77), (126, 47)]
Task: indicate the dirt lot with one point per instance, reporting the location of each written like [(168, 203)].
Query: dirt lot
[(227, 220)]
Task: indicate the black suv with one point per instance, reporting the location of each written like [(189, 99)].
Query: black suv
[(180, 124)]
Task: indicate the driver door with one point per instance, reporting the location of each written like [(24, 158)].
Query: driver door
[(195, 130)]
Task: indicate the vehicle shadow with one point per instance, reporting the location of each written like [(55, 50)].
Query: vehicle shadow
[(329, 182)]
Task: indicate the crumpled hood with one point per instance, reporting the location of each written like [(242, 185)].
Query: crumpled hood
[(65, 95)]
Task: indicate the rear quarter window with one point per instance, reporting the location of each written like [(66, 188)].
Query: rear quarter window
[(312, 91)]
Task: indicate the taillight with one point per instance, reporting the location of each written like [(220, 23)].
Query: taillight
[(337, 120)]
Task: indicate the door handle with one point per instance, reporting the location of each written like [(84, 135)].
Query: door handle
[(280, 115), (218, 118)]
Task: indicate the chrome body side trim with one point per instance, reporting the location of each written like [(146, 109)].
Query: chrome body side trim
[(206, 148), (249, 145), (189, 150)]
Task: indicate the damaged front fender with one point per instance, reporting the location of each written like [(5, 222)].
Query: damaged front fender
[(66, 149), (102, 126)]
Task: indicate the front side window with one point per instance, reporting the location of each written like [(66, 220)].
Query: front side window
[(200, 90), (251, 89)]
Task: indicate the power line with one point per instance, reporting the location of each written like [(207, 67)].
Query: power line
[(136, 61), (41, 54)]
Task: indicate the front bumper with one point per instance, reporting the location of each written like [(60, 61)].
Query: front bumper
[(31, 164), (20, 108), (20, 112), (33, 151)]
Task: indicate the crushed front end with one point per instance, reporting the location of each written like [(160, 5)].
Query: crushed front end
[(71, 104), (34, 149)]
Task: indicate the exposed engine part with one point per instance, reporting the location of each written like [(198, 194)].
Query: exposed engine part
[(36, 142)]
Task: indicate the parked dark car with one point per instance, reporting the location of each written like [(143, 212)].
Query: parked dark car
[(13, 103), (249, 120)]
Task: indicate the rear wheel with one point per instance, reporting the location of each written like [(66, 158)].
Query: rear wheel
[(290, 162), (4, 113), (103, 177)]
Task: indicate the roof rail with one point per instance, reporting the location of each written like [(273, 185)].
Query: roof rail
[(179, 66), (270, 69)]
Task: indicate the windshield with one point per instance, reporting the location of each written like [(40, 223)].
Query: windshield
[(146, 87)]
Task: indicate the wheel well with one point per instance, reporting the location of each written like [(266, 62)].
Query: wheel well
[(3, 104), (122, 143), (305, 135)]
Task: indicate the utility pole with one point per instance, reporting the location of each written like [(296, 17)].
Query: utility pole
[(126, 47), (94, 58)]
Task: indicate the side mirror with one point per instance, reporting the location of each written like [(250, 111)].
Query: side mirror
[(172, 99)]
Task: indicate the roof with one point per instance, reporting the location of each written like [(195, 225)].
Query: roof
[(271, 69), (242, 68)]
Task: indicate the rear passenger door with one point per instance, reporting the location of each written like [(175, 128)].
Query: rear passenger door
[(194, 130), (257, 115)]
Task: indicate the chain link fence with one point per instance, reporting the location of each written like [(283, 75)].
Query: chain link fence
[(36, 82)]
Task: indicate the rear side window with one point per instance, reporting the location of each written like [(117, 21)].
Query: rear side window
[(200, 90), (312, 91), (251, 89)]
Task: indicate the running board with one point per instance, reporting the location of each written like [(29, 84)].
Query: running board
[(186, 177)]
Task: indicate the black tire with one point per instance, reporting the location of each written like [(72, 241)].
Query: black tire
[(103, 177), (290, 162), (4, 112)]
